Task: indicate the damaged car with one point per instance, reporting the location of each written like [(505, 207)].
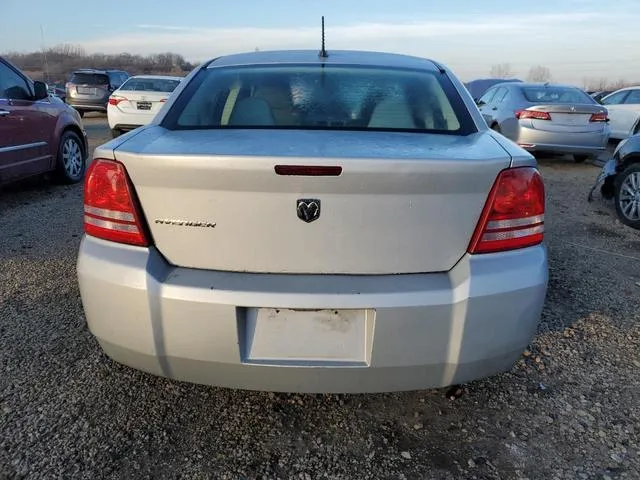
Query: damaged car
[(619, 179)]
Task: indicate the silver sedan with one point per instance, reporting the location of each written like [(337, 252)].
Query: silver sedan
[(547, 118), (296, 222)]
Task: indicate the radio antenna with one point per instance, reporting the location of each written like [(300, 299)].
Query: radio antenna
[(44, 55), (323, 53)]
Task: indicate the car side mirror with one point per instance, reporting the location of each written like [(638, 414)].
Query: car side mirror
[(478, 102), (40, 91)]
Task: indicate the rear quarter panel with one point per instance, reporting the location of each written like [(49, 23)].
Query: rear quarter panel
[(506, 113), (519, 156)]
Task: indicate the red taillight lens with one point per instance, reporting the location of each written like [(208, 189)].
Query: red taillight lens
[(532, 114), (163, 100), (599, 117), (513, 216), (116, 100), (110, 208)]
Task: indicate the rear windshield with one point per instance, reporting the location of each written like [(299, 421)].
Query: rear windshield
[(315, 97), (556, 95), (90, 79), (150, 84)]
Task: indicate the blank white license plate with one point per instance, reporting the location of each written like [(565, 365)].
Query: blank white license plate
[(301, 336), (571, 118), (86, 91)]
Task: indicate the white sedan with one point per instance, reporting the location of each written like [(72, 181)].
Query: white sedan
[(624, 112), (138, 100)]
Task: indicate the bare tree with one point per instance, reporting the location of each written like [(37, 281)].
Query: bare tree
[(618, 84), (63, 59), (502, 70), (539, 73), (605, 84)]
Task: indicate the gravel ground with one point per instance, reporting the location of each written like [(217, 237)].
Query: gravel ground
[(568, 409)]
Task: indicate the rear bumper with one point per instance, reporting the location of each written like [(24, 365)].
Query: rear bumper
[(90, 105), (88, 108), (586, 143), (124, 127), (119, 120), (429, 330)]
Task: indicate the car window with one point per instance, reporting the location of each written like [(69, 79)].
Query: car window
[(547, 94), (90, 79), (121, 77), (615, 98), (150, 84), (501, 94), (488, 96), (327, 97), (633, 97), (12, 85), (114, 79)]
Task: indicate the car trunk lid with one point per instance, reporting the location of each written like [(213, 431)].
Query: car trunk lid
[(402, 203), (140, 102)]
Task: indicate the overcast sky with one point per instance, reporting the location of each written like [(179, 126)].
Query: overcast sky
[(574, 38)]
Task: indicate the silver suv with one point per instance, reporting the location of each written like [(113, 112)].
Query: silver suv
[(88, 90)]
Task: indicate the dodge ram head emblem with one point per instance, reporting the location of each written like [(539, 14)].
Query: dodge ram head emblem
[(308, 209)]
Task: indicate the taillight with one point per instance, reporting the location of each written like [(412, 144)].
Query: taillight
[(599, 117), (115, 100), (513, 216), (532, 114), (110, 208), (163, 100)]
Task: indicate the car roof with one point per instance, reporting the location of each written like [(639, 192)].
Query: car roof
[(542, 84), (96, 70), (634, 87), (351, 57), (158, 77)]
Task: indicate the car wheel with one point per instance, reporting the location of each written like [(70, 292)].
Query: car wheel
[(580, 158), (115, 132), (627, 194), (70, 165)]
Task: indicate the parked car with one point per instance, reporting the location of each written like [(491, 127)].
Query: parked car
[(137, 101), (477, 88), (88, 90), (598, 96), (296, 222), (550, 118), (38, 134), (624, 112), (620, 180)]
